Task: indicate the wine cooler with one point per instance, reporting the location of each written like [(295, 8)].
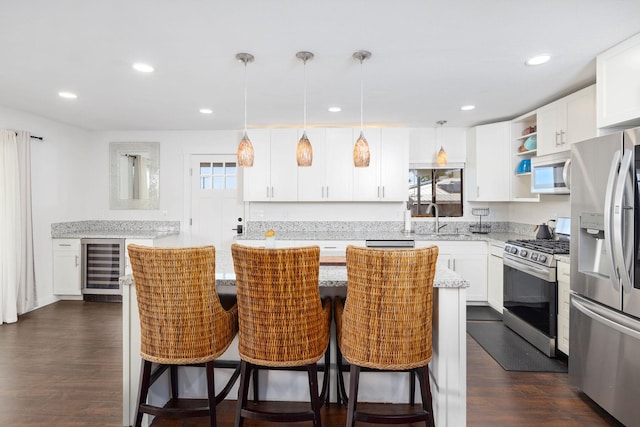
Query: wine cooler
[(102, 265)]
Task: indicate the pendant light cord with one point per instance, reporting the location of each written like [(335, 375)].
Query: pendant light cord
[(361, 98), (304, 124), (245, 97)]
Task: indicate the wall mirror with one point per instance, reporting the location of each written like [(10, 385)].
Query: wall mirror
[(134, 175)]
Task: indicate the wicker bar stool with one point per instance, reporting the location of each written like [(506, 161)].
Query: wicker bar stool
[(283, 322), (385, 322), (182, 323)]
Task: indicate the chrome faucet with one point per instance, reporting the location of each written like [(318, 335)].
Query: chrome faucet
[(437, 226)]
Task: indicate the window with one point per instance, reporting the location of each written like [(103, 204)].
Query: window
[(218, 175), (440, 186)]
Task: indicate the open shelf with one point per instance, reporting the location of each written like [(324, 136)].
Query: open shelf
[(526, 153)]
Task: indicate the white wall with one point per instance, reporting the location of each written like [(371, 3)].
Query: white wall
[(60, 178)]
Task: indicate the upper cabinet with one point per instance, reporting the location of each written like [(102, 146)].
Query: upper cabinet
[(488, 163), (274, 174), (386, 177), (567, 120), (424, 144), (618, 81), (330, 177)]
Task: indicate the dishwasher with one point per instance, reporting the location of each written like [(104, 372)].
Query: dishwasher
[(102, 265)]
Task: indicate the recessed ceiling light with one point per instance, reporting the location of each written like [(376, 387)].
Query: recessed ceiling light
[(335, 109), (143, 68), (206, 111), (67, 95), (467, 107), (538, 60)]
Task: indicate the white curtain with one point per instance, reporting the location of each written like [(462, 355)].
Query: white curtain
[(17, 278)]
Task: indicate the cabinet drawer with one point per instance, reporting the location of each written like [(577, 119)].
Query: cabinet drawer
[(66, 245), (496, 250)]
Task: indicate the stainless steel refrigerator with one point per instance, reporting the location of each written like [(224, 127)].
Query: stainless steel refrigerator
[(604, 334)]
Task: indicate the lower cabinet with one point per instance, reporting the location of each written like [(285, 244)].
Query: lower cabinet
[(495, 276), (469, 259), (564, 289), (67, 267)]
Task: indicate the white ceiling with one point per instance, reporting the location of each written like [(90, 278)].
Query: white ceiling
[(429, 58)]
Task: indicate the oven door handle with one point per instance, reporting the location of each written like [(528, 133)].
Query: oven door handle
[(540, 272)]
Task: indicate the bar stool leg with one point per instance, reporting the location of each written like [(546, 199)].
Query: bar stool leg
[(354, 380), (145, 383), (316, 400), (425, 391), (243, 390), (211, 394)]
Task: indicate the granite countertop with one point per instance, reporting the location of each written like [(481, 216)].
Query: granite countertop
[(115, 229), (499, 237), (330, 276)]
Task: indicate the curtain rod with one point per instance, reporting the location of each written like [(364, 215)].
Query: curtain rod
[(32, 136)]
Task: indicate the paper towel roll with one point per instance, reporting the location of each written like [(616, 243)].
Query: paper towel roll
[(407, 221)]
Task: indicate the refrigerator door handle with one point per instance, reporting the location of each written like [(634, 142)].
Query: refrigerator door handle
[(608, 318), (608, 211), (624, 186)]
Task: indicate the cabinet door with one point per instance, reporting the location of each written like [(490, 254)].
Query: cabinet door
[(67, 267), (284, 167), (366, 180), (394, 164), (473, 267), (257, 178), (551, 129), (339, 164), (581, 116), (492, 159), (618, 76)]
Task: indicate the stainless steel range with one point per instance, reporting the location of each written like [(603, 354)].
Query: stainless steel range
[(531, 290)]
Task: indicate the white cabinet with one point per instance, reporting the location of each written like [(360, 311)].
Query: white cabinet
[(618, 81), (469, 259), (522, 128), (67, 255), (564, 289), (386, 177), (330, 177), (488, 158), (495, 276), (567, 120), (274, 174)]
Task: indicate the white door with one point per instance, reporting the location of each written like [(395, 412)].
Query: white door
[(216, 202)]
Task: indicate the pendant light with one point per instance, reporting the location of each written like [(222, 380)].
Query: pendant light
[(361, 153), (245, 148), (304, 152), (442, 155)]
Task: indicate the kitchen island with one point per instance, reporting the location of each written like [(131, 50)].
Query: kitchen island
[(447, 367)]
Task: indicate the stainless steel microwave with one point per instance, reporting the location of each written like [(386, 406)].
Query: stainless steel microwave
[(550, 173)]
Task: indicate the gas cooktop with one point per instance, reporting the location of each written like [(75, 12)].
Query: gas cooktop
[(554, 247)]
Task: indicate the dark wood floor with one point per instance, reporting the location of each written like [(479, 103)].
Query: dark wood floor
[(61, 366)]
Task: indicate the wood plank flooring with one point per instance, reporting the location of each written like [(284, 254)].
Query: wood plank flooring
[(61, 366)]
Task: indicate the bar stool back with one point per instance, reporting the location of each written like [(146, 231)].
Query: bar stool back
[(283, 322), (386, 321), (182, 322)]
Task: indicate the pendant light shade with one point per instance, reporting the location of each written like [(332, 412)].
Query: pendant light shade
[(361, 153), (245, 148), (245, 152), (442, 155), (304, 151)]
